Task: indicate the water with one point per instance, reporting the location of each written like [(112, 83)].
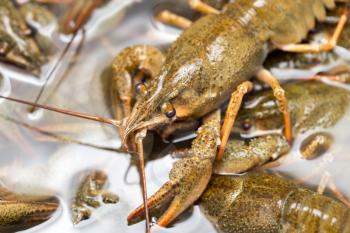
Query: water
[(34, 163)]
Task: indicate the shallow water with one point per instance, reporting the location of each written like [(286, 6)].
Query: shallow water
[(33, 163)]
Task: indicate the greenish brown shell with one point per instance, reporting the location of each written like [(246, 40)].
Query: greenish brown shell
[(312, 104), (240, 157), (45, 23), (220, 51), (266, 203), (218, 4), (17, 45), (20, 211), (322, 32)]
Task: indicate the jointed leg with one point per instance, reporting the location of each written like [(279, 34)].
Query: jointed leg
[(173, 19), (170, 18), (202, 7), (266, 77), (329, 45), (340, 77), (339, 195), (231, 114), (327, 180), (323, 183)]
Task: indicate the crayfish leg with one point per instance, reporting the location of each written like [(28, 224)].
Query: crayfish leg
[(342, 77), (332, 186), (326, 182), (78, 14), (202, 7), (173, 19), (316, 48), (231, 114), (266, 77), (176, 20)]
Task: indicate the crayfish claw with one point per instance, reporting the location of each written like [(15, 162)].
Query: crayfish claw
[(163, 196), (187, 179)]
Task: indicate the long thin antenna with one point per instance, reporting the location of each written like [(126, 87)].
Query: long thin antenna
[(59, 137), (139, 142), (52, 71), (67, 112), (69, 68)]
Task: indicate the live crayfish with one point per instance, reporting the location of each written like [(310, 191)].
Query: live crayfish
[(215, 56), (26, 30), (77, 13), (209, 50), (19, 43), (19, 212), (278, 206)]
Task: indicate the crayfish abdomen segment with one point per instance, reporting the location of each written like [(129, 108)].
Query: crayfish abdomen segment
[(307, 211), (252, 202), (261, 202), (286, 22)]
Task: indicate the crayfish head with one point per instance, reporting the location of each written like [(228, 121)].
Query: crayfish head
[(170, 96), (146, 114)]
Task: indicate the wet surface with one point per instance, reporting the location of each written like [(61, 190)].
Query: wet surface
[(34, 163)]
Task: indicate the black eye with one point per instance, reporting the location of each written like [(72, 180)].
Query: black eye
[(171, 114), (140, 88), (168, 110), (246, 125)]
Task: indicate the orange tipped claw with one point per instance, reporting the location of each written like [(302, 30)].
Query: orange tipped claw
[(187, 179), (164, 194)]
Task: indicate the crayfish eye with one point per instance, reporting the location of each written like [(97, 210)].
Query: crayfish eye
[(246, 125), (141, 88), (168, 110)]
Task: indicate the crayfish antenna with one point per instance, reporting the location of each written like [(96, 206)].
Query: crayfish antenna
[(67, 112), (59, 137), (53, 69), (67, 70), (139, 141)]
